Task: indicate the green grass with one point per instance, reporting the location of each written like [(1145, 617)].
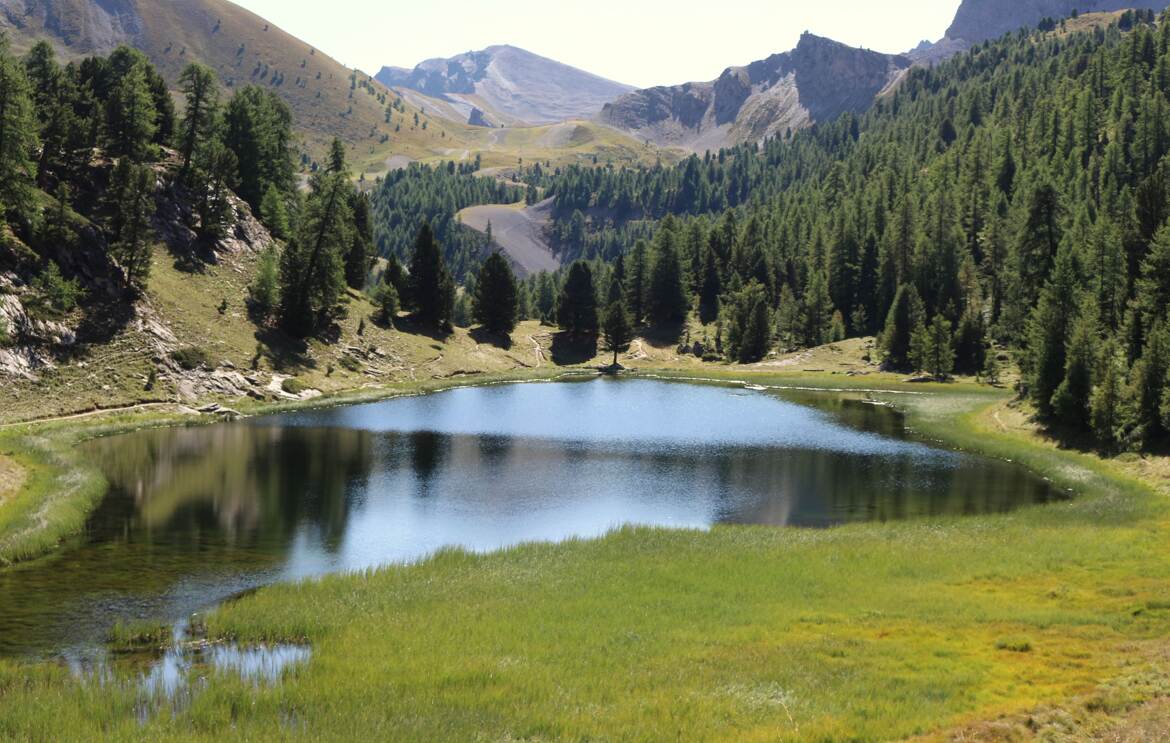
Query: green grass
[(57, 496), (866, 632)]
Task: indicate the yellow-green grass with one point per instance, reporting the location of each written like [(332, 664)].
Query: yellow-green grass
[(866, 632)]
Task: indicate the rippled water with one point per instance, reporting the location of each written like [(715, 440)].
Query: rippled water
[(197, 515)]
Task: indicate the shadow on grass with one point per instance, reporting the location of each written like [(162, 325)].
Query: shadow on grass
[(573, 349), (282, 351), (663, 336), (488, 338)]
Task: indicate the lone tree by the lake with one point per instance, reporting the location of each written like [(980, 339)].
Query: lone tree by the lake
[(618, 333)]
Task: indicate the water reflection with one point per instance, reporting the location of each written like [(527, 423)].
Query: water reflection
[(197, 515)]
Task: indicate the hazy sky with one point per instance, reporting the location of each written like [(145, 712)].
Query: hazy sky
[(639, 42)]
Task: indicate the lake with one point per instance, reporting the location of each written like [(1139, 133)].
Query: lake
[(197, 515)]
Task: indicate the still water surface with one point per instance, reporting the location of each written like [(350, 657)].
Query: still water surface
[(197, 515)]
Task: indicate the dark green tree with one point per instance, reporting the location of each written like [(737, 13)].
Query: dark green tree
[(617, 332), (201, 91), (637, 283), (1049, 332), (666, 299), (494, 305), (748, 323), (312, 270), (906, 314), (432, 290), (577, 305), (18, 138)]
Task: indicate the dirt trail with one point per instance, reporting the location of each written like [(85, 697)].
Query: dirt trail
[(518, 232), (88, 414)]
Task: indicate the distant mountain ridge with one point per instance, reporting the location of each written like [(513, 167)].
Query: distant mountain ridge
[(980, 20), (505, 85), (817, 81)]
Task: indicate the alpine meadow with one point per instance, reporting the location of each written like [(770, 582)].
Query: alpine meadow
[(493, 399)]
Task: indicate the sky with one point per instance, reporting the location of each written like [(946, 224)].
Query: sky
[(637, 42)]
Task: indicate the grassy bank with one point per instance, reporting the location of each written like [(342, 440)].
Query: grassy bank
[(865, 632)]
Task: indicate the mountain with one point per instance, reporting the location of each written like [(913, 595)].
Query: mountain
[(817, 81), (509, 86), (980, 20), (327, 99)]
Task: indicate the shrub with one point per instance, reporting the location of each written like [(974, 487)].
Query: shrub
[(1014, 644), (61, 294), (190, 358), (293, 386)]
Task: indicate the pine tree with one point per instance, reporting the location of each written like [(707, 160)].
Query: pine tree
[(131, 118), (132, 247), (932, 348), (214, 175), (817, 310), (710, 288), (906, 315), (1150, 384), (274, 213), (617, 333), (312, 274), (970, 344), (1153, 288), (617, 282), (387, 300), (1072, 401), (494, 305), (432, 290), (577, 306), (258, 128), (1106, 413), (360, 256), (666, 300), (201, 91), (18, 132), (637, 283), (748, 323), (1049, 331), (1039, 238), (264, 292)]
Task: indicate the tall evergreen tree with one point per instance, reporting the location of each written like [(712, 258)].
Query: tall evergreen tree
[(258, 128), (312, 272), (906, 315), (748, 325), (201, 91), (135, 185), (494, 305), (577, 306), (710, 287), (131, 118), (1049, 331), (432, 290), (666, 300), (360, 256), (637, 283), (18, 135), (1072, 401), (617, 333)]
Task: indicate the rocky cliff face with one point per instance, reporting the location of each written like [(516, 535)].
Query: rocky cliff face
[(506, 85), (980, 20), (817, 81)]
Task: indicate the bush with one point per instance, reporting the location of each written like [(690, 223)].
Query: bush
[(190, 358), (5, 337), (60, 294), (293, 386)]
